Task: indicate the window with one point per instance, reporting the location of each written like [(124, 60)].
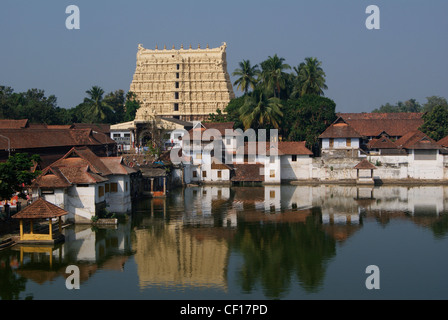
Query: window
[(331, 142), (177, 75), (198, 155), (195, 174), (114, 187), (117, 135), (348, 142), (272, 159), (425, 154), (228, 141), (176, 107), (177, 85), (101, 191), (47, 191), (107, 188), (219, 174), (82, 185), (127, 135), (126, 186), (178, 66), (272, 173), (176, 95), (204, 174), (294, 157), (272, 194)]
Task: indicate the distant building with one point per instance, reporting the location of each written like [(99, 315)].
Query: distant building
[(51, 142)]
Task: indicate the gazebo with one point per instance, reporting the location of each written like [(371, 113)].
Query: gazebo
[(38, 210), (364, 165)]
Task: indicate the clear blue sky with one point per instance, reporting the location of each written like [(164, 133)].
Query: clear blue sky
[(406, 58)]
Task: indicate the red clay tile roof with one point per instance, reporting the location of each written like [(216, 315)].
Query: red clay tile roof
[(381, 143), (417, 140), (40, 209), (443, 142), (373, 124), (248, 172), (365, 164), (340, 129), (80, 166), (13, 124), (28, 138), (116, 165), (51, 178)]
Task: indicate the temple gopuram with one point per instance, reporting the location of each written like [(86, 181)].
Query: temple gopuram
[(185, 84)]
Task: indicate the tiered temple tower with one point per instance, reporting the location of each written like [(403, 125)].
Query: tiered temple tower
[(186, 84)]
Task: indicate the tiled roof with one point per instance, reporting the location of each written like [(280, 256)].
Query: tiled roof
[(417, 140), (373, 124), (40, 209), (340, 129), (29, 138), (443, 142), (381, 143), (80, 166), (248, 172), (13, 124), (116, 165), (51, 178), (365, 164)]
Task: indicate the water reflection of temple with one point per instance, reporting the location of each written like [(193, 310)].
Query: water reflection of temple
[(179, 256)]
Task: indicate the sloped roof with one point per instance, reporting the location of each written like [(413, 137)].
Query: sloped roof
[(219, 165), (443, 142), (116, 165), (417, 140), (381, 143), (248, 172), (365, 164), (13, 124), (340, 129), (29, 138), (51, 178), (40, 209), (373, 124), (83, 156)]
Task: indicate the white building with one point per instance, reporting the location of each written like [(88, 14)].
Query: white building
[(84, 184)]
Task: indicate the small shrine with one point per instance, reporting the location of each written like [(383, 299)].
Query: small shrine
[(37, 211), (361, 168)]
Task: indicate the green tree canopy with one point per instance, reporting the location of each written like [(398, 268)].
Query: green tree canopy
[(246, 74), (98, 109), (410, 105), (436, 123), (273, 75), (16, 172), (433, 101), (258, 111), (310, 78), (307, 118)]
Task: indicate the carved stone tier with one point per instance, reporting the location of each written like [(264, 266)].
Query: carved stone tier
[(187, 84)]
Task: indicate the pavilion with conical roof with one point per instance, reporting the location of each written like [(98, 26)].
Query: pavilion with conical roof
[(40, 210)]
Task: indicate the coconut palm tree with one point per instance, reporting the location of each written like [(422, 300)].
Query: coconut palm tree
[(247, 76), (259, 111), (310, 78), (272, 74), (96, 106)]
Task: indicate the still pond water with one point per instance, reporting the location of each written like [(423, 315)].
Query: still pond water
[(272, 242)]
